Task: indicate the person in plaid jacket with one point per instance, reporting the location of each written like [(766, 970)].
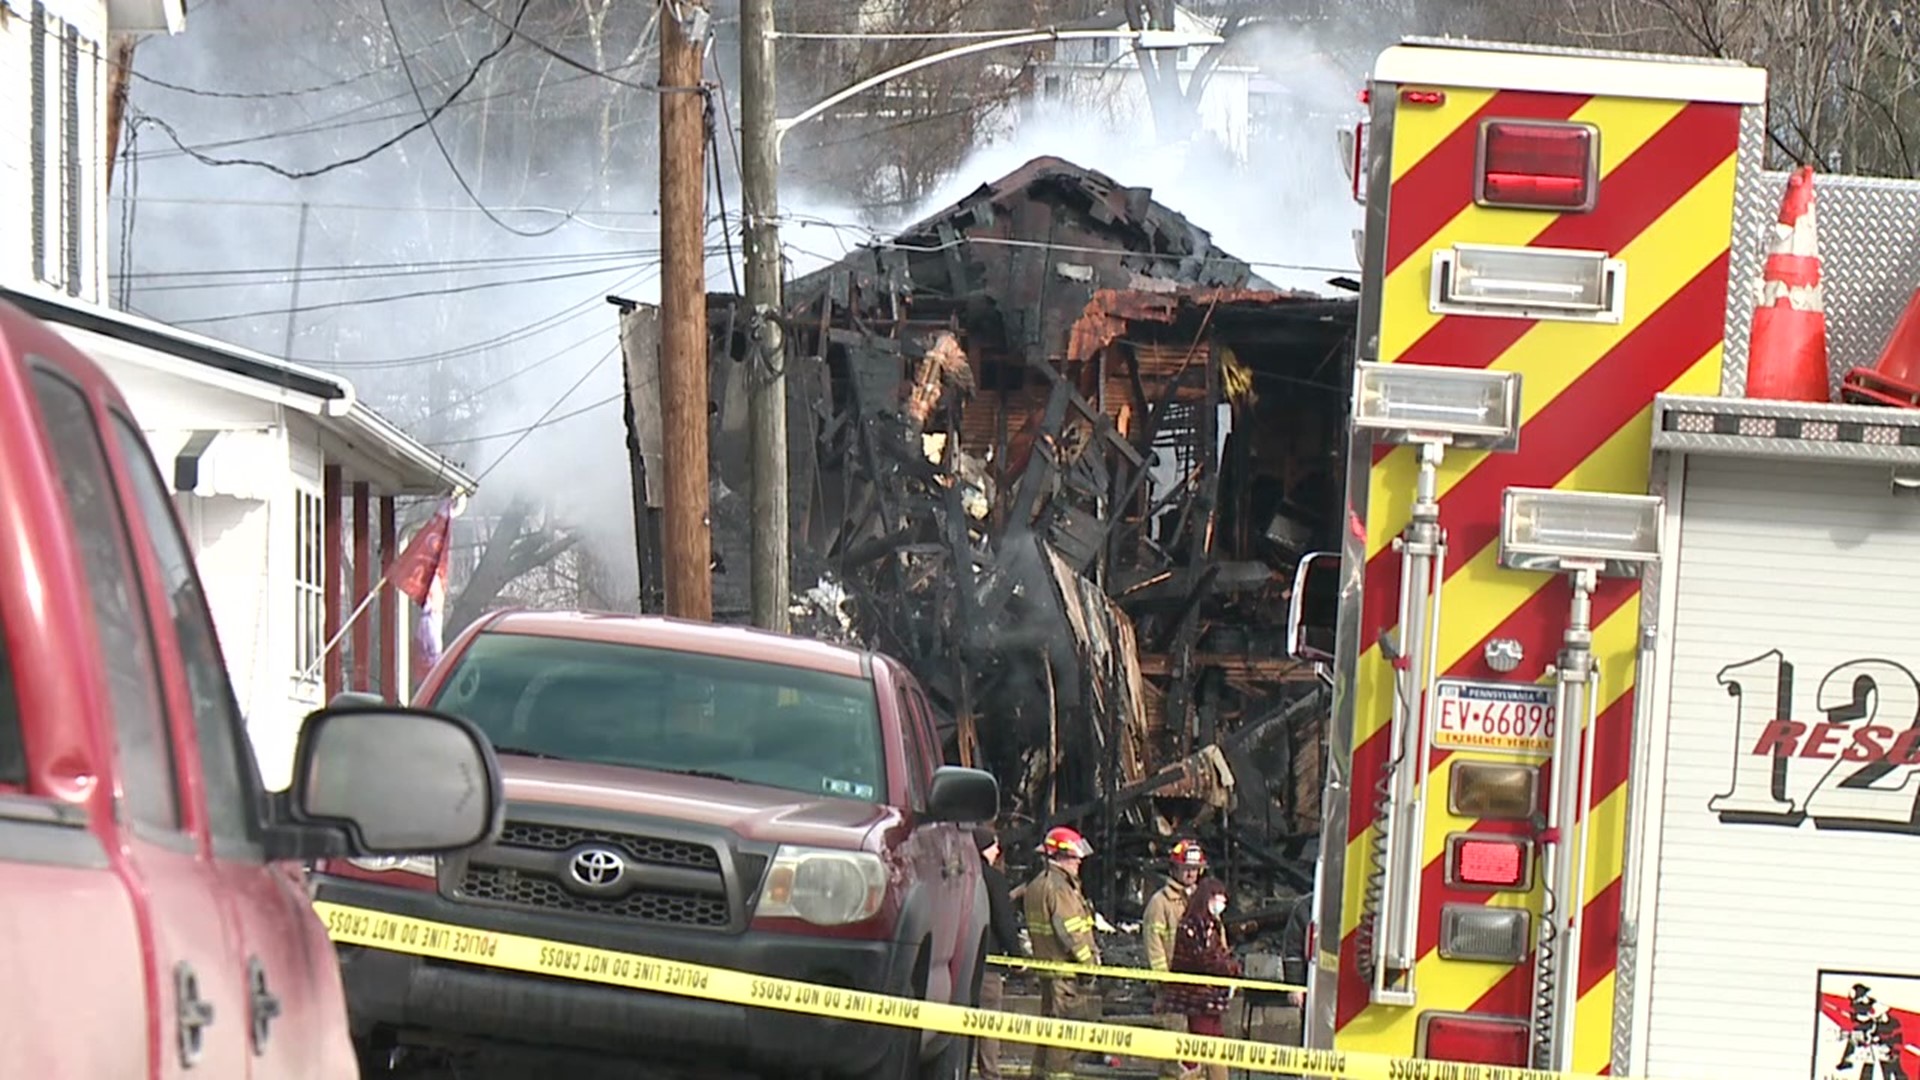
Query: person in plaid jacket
[(1200, 948)]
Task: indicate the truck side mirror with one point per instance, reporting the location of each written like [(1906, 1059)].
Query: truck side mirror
[(963, 795), (1313, 608), (397, 781)]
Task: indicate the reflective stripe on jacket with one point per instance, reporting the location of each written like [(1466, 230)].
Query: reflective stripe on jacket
[(1161, 921), (1059, 919)]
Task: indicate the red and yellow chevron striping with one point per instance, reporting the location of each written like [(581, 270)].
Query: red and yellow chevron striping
[(1664, 209)]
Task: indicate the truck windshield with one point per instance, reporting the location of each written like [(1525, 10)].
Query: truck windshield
[(616, 704)]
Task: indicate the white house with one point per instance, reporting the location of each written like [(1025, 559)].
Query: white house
[(286, 481), (1100, 78)]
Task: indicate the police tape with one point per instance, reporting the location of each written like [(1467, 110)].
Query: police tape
[(1064, 967), (537, 956)]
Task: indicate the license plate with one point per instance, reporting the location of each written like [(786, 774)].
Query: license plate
[(1493, 716)]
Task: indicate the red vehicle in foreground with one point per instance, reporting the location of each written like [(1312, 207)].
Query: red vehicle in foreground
[(154, 920), (710, 794)]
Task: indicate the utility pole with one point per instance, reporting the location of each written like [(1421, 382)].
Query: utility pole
[(299, 267), (766, 378), (687, 536)]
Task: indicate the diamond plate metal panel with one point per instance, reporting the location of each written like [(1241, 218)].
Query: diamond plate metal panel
[(1874, 415), (1751, 213), (1869, 234), (1786, 449)]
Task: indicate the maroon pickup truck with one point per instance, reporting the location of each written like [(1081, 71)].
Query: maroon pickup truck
[(154, 920), (710, 794)]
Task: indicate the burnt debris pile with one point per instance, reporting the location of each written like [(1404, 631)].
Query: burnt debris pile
[(1064, 456)]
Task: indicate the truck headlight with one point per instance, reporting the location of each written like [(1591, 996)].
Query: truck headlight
[(823, 886), (424, 865)]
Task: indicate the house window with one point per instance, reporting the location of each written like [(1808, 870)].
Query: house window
[(309, 591), (61, 70), (1102, 50), (1052, 87)]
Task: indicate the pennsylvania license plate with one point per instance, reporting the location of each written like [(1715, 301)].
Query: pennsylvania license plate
[(1472, 715)]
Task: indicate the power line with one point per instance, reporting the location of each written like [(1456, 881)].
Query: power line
[(530, 428), (303, 174), (453, 290), (262, 276), (294, 204), (568, 60), (406, 69), (544, 417), (264, 95), (539, 326)]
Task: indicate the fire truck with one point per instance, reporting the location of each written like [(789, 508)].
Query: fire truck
[(1624, 758)]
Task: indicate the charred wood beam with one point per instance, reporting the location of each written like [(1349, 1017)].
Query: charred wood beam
[(1247, 737), (1102, 426), (1250, 668)]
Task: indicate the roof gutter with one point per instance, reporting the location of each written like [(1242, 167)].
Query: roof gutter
[(335, 393), (416, 454)]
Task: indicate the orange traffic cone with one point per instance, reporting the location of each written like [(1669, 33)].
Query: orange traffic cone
[(1787, 353), (1894, 379)]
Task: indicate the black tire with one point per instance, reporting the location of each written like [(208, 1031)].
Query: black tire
[(954, 1063)]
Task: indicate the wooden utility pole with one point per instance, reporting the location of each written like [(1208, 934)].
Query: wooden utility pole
[(767, 381), (687, 536)]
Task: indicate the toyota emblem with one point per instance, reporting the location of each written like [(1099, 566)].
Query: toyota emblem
[(598, 867)]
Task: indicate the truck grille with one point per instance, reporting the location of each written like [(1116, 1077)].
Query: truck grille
[(507, 887), (663, 881), (647, 849)]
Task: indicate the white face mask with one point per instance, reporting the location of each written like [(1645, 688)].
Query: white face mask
[(1217, 907)]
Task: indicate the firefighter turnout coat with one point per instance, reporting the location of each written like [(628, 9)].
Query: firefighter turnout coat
[(1162, 921), (1059, 919)]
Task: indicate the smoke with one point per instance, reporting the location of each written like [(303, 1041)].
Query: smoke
[(1279, 199), (499, 348)]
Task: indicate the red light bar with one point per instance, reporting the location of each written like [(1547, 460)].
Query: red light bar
[(1485, 1040), (1538, 165), (1488, 862), (1424, 97)]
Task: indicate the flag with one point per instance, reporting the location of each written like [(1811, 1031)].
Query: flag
[(421, 573)]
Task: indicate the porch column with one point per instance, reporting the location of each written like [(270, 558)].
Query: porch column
[(331, 576), (362, 584), (392, 607)]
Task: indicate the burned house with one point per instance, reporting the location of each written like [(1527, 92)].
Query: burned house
[(1065, 455)]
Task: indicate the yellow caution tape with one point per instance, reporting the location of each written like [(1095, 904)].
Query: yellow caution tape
[(515, 952), (1065, 967)]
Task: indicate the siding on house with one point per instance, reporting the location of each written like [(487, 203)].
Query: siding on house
[(53, 203)]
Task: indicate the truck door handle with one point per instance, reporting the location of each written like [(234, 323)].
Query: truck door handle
[(264, 1007), (195, 1013)]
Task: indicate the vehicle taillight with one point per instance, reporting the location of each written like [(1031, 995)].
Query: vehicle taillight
[(1488, 862), (1489, 789), (1480, 932), (1538, 165), (1481, 1039)]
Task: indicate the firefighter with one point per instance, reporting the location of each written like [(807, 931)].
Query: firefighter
[(1159, 925), (1886, 1044), (1060, 923), (1860, 1011)]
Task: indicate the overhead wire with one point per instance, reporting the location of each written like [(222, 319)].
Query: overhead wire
[(547, 417), (452, 290), (382, 269), (579, 308), (588, 69), (266, 95), (406, 69), (473, 74)]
